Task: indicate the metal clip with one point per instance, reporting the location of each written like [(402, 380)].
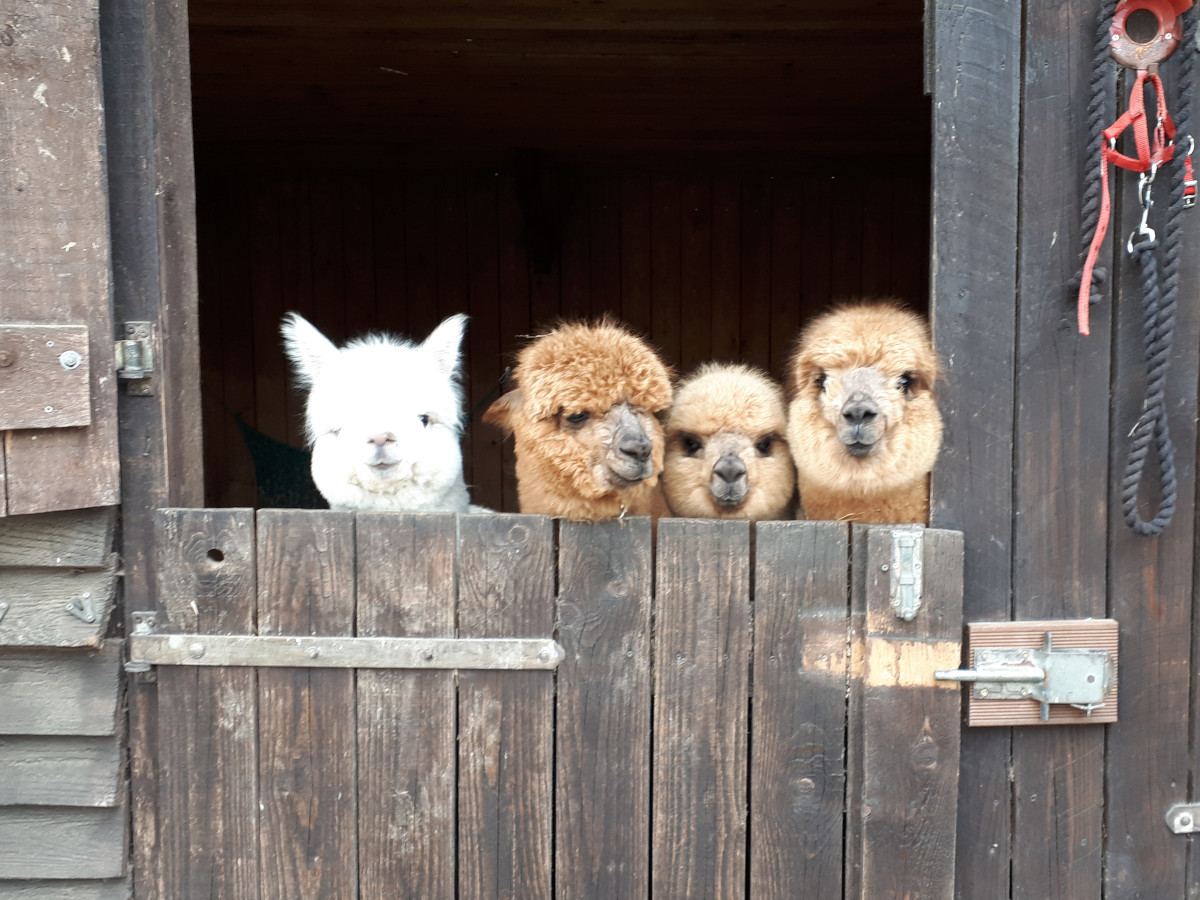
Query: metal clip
[(1145, 182), (81, 608)]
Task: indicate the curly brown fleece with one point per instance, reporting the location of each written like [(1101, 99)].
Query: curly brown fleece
[(589, 371)]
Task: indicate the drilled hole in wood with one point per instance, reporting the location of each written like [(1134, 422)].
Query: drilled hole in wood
[(216, 555)]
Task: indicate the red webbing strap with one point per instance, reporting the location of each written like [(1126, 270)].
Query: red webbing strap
[(1148, 155)]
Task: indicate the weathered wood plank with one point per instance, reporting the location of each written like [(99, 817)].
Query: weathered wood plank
[(909, 722), (202, 779), (66, 890), (62, 842), (602, 834), (701, 714), (798, 763), (406, 720), (665, 265), (60, 771), (695, 271), (61, 691), (505, 757), (307, 761), (43, 387), (75, 539), (976, 152), (39, 603)]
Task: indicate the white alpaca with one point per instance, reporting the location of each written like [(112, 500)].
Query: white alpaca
[(384, 417)]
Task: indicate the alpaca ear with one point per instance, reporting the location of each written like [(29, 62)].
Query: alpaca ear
[(444, 344), (308, 349), (500, 413)]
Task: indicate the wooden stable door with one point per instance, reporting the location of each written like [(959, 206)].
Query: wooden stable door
[(725, 714)]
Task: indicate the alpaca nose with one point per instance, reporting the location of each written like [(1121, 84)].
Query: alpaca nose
[(381, 440), (729, 469), (859, 409), (635, 446)]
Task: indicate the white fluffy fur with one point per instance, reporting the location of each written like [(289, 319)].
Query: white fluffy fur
[(383, 417)]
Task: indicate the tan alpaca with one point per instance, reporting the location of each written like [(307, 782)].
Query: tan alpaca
[(727, 455), (583, 418), (863, 422)]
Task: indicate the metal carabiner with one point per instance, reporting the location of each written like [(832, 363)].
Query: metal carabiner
[(1145, 183)]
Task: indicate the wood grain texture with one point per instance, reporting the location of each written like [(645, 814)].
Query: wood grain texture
[(60, 771), (406, 720), (62, 842), (39, 390), (119, 889), (75, 539), (202, 778), (63, 692), (976, 152), (798, 760), (910, 723), (602, 735), (55, 241), (307, 764), (39, 602), (506, 741), (701, 710)]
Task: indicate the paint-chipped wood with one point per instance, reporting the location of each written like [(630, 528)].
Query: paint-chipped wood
[(68, 608), (602, 836), (54, 243), (64, 692), (59, 771), (62, 842)]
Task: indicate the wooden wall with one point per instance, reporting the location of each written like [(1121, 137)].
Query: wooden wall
[(710, 262)]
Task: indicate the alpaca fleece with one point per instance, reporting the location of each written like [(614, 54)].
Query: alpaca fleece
[(863, 422)]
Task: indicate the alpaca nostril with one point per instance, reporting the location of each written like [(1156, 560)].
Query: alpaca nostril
[(860, 410), (381, 439), (729, 469), (635, 447)]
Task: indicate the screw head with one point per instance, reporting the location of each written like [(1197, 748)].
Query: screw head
[(7, 358), (196, 650), (70, 359)]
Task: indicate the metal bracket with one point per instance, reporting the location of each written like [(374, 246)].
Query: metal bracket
[(1184, 818), (906, 568), (134, 358), (81, 607), (1077, 677)]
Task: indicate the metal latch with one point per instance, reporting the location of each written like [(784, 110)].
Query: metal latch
[(906, 580), (134, 358), (1078, 677)]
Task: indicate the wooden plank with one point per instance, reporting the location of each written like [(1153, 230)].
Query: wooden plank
[(515, 312), (60, 771), (756, 271), (785, 300), (61, 691), (62, 842), (602, 835), (976, 152), (66, 890), (505, 755), (268, 261), (665, 266), (206, 730), (726, 266), (701, 715), (74, 539), (55, 241), (44, 373), (910, 722), (695, 271), (307, 762), (406, 720), (798, 762), (39, 604), (604, 241), (636, 263)]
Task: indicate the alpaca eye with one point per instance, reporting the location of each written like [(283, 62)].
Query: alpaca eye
[(424, 420), (764, 446), (691, 444), (819, 381), (579, 418), (906, 382)]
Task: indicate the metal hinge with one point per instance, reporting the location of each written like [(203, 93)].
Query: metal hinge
[(134, 358), (906, 568), (1081, 678)]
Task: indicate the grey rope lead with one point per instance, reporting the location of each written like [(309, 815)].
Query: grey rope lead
[(1158, 320)]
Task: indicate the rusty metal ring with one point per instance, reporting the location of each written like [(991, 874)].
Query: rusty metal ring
[(1143, 54)]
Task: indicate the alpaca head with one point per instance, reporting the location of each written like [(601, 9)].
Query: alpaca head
[(584, 418), (726, 454), (863, 418), (383, 417)]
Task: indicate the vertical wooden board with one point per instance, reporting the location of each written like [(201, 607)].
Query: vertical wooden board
[(575, 256), (756, 272), (1062, 388), (878, 203), (296, 288), (358, 197), (695, 271), (328, 255), (635, 251), (204, 773), (786, 269), (268, 260), (910, 722), (54, 242), (62, 842), (798, 753), (484, 361), (406, 720), (726, 266), (61, 691), (701, 716), (514, 309), (604, 240), (816, 247), (665, 243), (505, 738), (602, 732), (846, 221), (387, 232), (1150, 577), (307, 761), (976, 102)]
